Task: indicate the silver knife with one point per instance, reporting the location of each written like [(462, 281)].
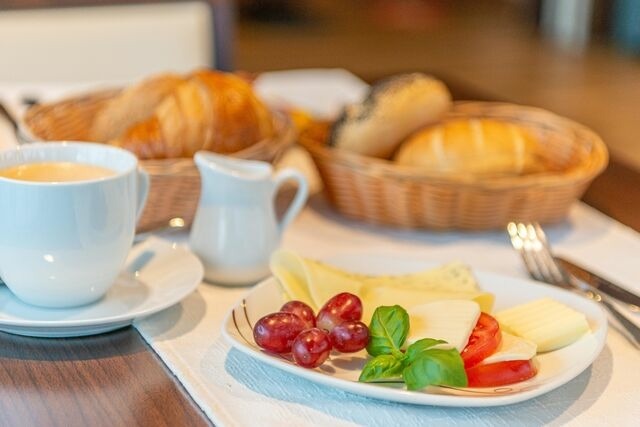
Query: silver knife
[(8, 117), (20, 136), (600, 283)]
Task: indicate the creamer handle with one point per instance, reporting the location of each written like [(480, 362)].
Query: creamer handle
[(300, 198)]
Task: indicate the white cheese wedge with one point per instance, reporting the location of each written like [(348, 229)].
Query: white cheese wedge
[(547, 322), (448, 320), (512, 348), (410, 297)]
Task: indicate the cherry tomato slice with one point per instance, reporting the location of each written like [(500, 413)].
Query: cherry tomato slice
[(500, 373), (483, 342)]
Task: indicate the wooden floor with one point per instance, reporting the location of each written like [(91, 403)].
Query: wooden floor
[(489, 44)]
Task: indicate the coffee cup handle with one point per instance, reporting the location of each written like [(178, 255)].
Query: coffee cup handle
[(142, 192), (300, 198)]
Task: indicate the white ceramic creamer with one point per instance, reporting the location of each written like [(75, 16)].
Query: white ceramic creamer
[(235, 229)]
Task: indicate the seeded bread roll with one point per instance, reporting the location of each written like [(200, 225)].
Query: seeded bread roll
[(394, 109), (473, 146)]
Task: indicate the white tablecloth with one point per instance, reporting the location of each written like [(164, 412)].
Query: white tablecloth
[(233, 389)]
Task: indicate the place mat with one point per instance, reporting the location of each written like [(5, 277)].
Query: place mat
[(235, 390)]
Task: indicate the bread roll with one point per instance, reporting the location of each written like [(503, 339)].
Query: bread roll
[(473, 146), (393, 110)]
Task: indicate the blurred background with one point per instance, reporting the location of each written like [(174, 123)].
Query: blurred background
[(578, 58)]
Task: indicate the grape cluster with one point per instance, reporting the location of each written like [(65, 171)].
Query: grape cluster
[(309, 338)]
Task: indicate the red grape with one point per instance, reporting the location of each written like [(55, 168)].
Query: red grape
[(301, 310), (275, 332), (311, 348), (340, 308), (349, 336)]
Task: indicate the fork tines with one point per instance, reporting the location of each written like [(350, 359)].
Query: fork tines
[(531, 242)]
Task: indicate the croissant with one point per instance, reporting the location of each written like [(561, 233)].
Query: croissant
[(206, 110), (133, 105)]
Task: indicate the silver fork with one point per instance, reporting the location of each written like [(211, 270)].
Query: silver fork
[(531, 242)]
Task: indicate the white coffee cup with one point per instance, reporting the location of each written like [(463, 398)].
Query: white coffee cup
[(63, 244)]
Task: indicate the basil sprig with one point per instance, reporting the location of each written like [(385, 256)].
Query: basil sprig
[(420, 366), (434, 366), (388, 331), (385, 366)]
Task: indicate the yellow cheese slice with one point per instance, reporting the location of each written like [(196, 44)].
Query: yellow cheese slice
[(288, 268), (314, 283), (547, 322), (309, 281), (452, 277)]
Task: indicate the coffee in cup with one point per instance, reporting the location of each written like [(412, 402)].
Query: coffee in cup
[(67, 221), (56, 172)]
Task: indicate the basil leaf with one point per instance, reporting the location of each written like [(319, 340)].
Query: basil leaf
[(419, 346), (387, 331), (435, 367), (384, 366)]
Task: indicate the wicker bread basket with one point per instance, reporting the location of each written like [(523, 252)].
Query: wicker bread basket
[(379, 191), (175, 183)]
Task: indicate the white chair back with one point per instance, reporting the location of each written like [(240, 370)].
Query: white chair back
[(105, 43)]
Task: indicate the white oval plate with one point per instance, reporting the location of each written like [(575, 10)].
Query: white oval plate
[(156, 275), (341, 371)]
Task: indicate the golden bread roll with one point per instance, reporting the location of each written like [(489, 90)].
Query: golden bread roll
[(394, 109), (473, 146), (132, 105), (207, 111)]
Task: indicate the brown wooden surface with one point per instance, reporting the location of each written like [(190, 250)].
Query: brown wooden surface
[(113, 379), (617, 193), (116, 379)]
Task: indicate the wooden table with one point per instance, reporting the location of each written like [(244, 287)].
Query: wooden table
[(117, 379)]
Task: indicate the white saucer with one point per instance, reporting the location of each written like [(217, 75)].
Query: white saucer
[(157, 275)]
